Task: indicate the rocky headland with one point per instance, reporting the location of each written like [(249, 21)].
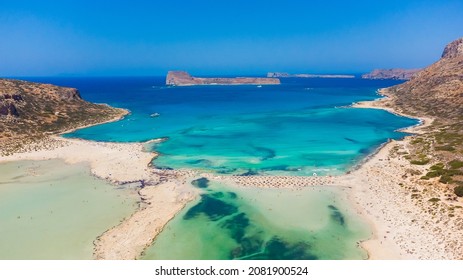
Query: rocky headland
[(30, 111), (394, 74), (437, 90), (182, 78), (428, 175)]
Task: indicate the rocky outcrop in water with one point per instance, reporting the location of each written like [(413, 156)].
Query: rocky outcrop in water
[(182, 78)]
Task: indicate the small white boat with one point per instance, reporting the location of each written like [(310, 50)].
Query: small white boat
[(259, 86), (154, 115)]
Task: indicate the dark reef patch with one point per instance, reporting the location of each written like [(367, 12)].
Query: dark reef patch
[(213, 208), (281, 168), (248, 246), (263, 153), (236, 226), (336, 215), (250, 172), (201, 183), (278, 249)]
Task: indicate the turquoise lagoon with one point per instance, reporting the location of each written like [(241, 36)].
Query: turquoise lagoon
[(298, 128), (52, 210)]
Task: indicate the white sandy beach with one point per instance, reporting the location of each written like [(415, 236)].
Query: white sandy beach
[(407, 225)]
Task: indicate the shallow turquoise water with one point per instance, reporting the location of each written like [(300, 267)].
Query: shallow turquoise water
[(296, 128), (51, 210), (303, 142), (252, 223)]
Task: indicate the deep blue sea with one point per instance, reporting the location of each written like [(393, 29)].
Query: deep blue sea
[(300, 127)]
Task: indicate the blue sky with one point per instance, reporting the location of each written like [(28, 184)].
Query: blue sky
[(40, 38)]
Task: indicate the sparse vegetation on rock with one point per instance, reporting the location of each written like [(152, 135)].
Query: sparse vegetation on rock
[(31, 111)]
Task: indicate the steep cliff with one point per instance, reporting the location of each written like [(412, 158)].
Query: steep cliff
[(454, 49), (32, 109), (182, 78), (394, 74)]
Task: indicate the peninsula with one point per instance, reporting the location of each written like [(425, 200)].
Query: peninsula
[(182, 78), (31, 111), (394, 74), (425, 169), (286, 75)]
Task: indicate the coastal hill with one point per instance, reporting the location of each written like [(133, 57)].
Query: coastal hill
[(437, 90), (437, 93), (395, 74), (286, 75), (182, 78), (29, 110)]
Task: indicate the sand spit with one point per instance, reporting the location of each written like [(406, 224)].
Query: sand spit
[(116, 162), (159, 205), (381, 104)]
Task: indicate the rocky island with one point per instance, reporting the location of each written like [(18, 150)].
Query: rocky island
[(394, 74), (287, 75), (182, 78)]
